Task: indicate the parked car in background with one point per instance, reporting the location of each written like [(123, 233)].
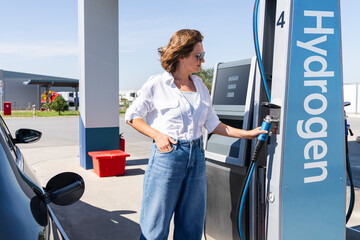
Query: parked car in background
[(24, 204)]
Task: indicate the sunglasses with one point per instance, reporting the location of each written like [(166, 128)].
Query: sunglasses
[(200, 56)]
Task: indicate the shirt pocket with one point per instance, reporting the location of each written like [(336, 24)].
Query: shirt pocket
[(169, 110)]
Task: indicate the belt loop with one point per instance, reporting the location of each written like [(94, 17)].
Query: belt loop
[(176, 145)]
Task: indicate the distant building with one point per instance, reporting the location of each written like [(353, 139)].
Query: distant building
[(129, 95), (126, 97), (23, 96)]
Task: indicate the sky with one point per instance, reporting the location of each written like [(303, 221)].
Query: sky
[(41, 36)]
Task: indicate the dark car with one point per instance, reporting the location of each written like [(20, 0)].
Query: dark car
[(24, 210)]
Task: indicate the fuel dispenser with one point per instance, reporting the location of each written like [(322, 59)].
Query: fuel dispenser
[(295, 188), (233, 101)]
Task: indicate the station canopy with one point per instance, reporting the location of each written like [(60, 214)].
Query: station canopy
[(53, 82)]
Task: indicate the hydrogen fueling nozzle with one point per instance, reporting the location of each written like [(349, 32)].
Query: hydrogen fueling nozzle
[(262, 138), (266, 125)]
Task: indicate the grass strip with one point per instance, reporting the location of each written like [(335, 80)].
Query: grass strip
[(42, 114)]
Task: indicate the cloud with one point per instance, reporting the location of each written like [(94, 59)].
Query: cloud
[(39, 50)]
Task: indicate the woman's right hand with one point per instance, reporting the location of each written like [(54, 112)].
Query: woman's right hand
[(163, 142)]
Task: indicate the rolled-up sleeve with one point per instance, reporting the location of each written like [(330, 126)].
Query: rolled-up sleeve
[(212, 120), (141, 106)]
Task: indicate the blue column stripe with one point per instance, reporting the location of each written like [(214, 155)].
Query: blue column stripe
[(96, 139)]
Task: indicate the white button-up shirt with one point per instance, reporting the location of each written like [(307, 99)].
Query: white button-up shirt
[(168, 111)]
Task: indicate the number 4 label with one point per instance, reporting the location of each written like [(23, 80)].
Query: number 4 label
[(281, 21)]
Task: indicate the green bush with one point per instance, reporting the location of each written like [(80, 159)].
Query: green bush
[(46, 105), (59, 104)]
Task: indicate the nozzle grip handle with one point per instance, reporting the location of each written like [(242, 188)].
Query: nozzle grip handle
[(264, 126)]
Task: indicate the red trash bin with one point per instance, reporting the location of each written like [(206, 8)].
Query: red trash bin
[(109, 163), (7, 108)]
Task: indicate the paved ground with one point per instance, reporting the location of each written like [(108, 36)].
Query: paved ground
[(110, 206)]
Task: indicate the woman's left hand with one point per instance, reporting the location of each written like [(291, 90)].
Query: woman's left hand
[(250, 134)]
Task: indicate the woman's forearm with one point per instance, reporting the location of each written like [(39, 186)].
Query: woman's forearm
[(226, 130)]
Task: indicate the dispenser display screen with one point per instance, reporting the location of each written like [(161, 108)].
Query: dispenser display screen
[(231, 85)]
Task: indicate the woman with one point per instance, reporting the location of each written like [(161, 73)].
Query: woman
[(177, 105)]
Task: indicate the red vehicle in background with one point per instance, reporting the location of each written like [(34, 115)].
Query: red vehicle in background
[(52, 96)]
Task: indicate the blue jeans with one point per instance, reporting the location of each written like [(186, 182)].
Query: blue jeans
[(174, 182)]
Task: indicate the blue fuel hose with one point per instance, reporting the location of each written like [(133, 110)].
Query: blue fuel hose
[(257, 49), (243, 196), (260, 141), (266, 125)]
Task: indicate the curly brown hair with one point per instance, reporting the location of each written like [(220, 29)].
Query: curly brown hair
[(181, 44)]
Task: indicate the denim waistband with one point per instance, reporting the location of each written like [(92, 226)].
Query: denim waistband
[(198, 141)]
